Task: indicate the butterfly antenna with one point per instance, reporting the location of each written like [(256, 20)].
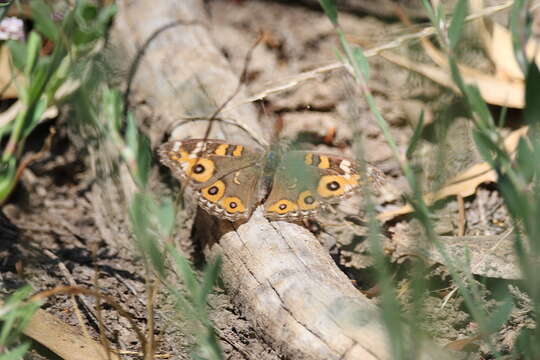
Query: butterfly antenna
[(179, 123), (241, 82), (134, 66)]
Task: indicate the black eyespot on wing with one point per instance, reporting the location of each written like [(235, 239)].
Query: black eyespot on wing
[(333, 185), (199, 169)]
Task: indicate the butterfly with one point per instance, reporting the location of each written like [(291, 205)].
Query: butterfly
[(230, 180)]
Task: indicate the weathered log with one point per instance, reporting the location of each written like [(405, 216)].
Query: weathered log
[(281, 277)]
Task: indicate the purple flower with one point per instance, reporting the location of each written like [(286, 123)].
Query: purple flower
[(11, 28)]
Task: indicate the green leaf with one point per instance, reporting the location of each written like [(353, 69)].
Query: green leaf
[(34, 116), (86, 13), (361, 62), (8, 169), (519, 9), (194, 356), (139, 146), (515, 201), (211, 274), (105, 16), (144, 160), (91, 22), (33, 48), (5, 3), (143, 230), (86, 29), (113, 107), (209, 345), (500, 316), (43, 20), (458, 22), (183, 268), (532, 94), (490, 150), (18, 53), (40, 76), (526, 160), (456, 75), (330, 10), (166, 216), (15, 315), (478, 105), (16, 353), (430, 11), (416, 136), (527, 344)]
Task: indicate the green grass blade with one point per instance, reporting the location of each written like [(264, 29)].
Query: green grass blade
[(142, 229), (166, 216), (499, 317), (330, 10), (417, 134), (16, 353), (532, 94), (518, 11), (18, 53), (457, 23), (361, 62), (33, 48), (211, 274), (184, 269), (43, 17)]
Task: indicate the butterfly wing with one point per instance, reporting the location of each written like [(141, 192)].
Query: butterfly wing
[(292, 196), (306, 181), (224, 176)]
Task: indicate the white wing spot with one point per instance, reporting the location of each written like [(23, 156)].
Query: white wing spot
[(345, 165), (198, 149)]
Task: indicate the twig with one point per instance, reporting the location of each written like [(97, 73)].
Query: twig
[(140, 54), (76, 290), (65, 272), (101, 324), (461, 210), (150, 343)]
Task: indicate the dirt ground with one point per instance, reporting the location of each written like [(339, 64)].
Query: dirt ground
[(50, 235)]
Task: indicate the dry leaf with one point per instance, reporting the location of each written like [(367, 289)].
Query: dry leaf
[(465, 183), (504, 88), (494, 90), (63, 339), (466, 344), (6, 76), (502, 53)]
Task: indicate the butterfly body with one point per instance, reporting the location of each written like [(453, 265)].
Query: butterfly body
[(230, 181)]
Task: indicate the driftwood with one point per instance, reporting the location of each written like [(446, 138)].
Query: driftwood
[(281, 277)]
